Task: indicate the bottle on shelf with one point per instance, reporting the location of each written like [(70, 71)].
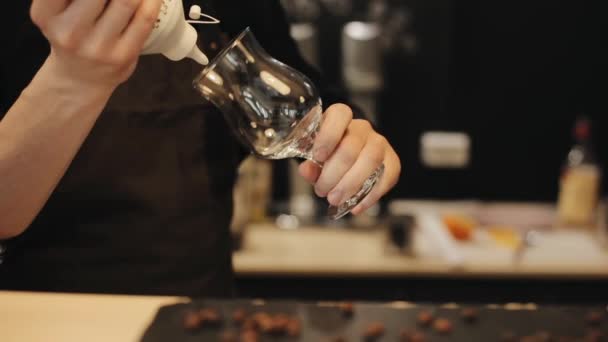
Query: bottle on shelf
[(580, 180)]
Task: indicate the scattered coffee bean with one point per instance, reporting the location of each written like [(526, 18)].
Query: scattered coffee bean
[(338, 339), (508, 336), (239, 316), (412, 336), (192, 320), (264, 322), (418, 336), (280, 323), (470, 315), (543, 336), (425, 318), (210, 317), (404, 335), (249, 336), (443, 326), (529, 338), (294, 328), (250, 324), (594, 336), (595, 317), (373, 331), (347, 308), (228, 336)]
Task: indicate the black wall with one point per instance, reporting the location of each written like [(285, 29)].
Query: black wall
[(513, 76)]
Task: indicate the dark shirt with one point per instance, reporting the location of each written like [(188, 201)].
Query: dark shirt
[(145, 206)]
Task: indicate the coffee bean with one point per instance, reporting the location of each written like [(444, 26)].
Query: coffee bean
[(228, 336), (425, 318), (595, 336), (249, 336), (210, 317), (418, 336), (280, 323), (338, 339), (191, 320), (347, 308), (404, 335), (594, 317), (373, 331), (543, 336), (443, 326), (294, 328), (239, 316), (470, 315), (264, 322), (508, 336), (250, 324), (412, 336)]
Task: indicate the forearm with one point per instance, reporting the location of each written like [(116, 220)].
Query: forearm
[(39, 137)]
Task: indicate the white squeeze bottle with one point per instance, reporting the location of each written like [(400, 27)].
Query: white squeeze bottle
[(173, 36)]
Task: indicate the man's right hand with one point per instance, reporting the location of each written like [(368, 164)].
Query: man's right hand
[(95, 44)]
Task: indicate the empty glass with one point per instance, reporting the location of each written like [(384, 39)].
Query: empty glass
[(274, 110)]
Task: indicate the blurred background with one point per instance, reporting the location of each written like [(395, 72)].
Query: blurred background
[(498, 113)]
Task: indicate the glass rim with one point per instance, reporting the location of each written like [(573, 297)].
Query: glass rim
[(221, 55)]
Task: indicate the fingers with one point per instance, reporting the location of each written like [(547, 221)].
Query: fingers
[(70, 22), (42, 11), (388, 180), (342, 159), (123, 28), (370, 158), (356, 152), (336, 121), (96, 26), (310, 171), (115, 20), (139, 30), (81, 15)]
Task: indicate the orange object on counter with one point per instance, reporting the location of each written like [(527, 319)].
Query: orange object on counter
[(505, 236), (460, 226)]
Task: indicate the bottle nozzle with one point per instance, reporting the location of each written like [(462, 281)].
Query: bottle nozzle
[(197, 55), (173, 36)]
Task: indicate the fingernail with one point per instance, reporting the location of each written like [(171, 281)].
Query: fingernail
[(321, 154), (334, 197)]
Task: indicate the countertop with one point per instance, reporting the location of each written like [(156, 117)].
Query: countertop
[(337, 252), (44, 317)]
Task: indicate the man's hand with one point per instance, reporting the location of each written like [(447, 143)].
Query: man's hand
[(351, 151), (95, 43)]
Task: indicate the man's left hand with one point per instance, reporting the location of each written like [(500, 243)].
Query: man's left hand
[(350, 151)]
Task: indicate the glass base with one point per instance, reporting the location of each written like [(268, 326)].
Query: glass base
[(337, 212)]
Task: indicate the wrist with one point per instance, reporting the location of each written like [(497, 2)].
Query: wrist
[(52, 77), (73, 98)]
